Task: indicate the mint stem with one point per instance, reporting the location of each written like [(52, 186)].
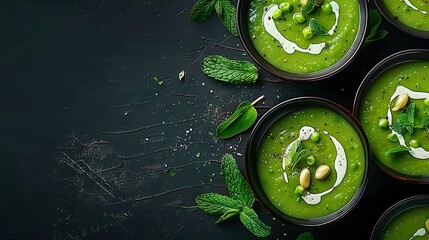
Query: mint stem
[(257, 100)]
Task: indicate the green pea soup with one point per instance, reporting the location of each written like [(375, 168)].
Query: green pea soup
[(407, 224), (337, 45), (374, 104), (412, 13), (271, 171)]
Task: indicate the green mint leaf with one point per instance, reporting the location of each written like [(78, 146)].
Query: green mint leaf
[(237, 185), (397, 150), (374, 23), (216, 204), (316, 27), (410, 112), (303, 153), (219, 7), (403, 124), (228, 17), (309, 7), (424, 123), (295, 154), (202, 10), (305, 236), (227, 70), (250, 220), (242, 119), (228, 214)]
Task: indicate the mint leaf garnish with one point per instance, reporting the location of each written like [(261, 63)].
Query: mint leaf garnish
[(397, 150), (296, 153), (374, 23), (237, 185), (305, 236), (316, 27), (202, 10), (405, 121), (227, 70), (240, 202), (309, 7), (250, 220)]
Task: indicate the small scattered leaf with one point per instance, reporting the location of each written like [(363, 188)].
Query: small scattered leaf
[(250, 220), (316, 27), (242, 119), (397, 149), (237, 185), (227, 70)]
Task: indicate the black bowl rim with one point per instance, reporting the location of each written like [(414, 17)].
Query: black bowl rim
[(385, 64), (333, 217), (302, 77), (399, 25), (395, 210)]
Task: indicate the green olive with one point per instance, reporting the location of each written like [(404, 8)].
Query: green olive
[(315, 137), (307, 32), (298, 17), (277, 14), (392, 137), (286, 7), (299, 190), (415, 143), (327, 8)]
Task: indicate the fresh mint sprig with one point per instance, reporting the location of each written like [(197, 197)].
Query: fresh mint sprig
[(240, 203), (203, 9), (374, 23), (405, 121), (296, 153)]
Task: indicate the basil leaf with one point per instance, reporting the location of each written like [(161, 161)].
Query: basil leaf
[(237, 185), (410, 112), (228, 17), (397, 150), (227, 70), (228, 214), (216, 204), (374, 23), (316, 27), (242, 119), (309, 7), (250, 220), (305, 236), (202, 10)]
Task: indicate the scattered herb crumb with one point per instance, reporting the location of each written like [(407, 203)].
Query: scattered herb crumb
[(159, 81), (198, 155), (172, 174)]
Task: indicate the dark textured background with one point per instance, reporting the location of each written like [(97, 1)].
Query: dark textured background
[(93, 148)]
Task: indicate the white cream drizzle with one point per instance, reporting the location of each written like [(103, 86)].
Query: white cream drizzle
[(336, 10), (419, 153), (340, 164), (419, 233), (413, 7)]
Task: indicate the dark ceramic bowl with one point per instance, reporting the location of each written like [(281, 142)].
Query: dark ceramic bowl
[(396, 209), (395, 22), (262, 126), (243, 29), (387, 63)]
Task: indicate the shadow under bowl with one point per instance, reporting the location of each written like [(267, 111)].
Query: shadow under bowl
[(391, 213), (399, 25), (405, 56), (260, 130), (244, 34)]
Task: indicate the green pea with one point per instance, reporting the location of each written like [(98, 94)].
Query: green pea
[(307, 32), (277, 14), (415, 143), (299, 190), (311, 160), (392, 137), (298, 17), (426, 102), (327, 8), (315, 137), (286, 7), (383, 123)]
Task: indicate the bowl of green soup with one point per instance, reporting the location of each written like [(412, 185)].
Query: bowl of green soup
[(406, 219), (307, 161), (302, 40), (409, 16), (392, 105)]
